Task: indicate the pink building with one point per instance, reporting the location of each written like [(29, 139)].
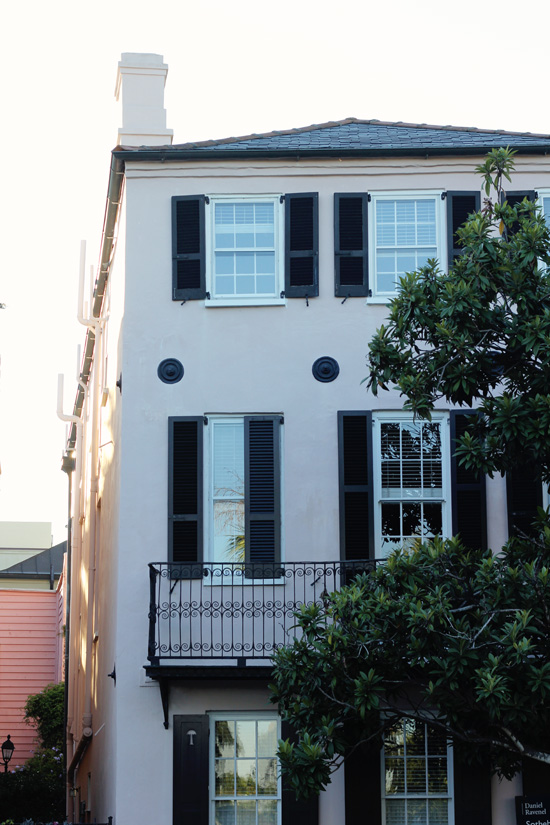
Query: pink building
[(31, 655)]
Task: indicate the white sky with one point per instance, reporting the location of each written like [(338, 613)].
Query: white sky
[(234, 68)]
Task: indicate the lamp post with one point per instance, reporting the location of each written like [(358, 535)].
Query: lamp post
[(7, 750)]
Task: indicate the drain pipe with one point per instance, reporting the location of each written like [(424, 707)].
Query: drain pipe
[(69, 465)]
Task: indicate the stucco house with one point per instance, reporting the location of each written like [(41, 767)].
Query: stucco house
[(229, 463)]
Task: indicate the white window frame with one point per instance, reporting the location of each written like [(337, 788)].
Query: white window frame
[(379, 418), (379, 297), (239, 716), (542, 194), (450, 796), (279, 228), (208, 500)]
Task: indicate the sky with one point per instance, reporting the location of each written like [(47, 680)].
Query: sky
[(234, 69)]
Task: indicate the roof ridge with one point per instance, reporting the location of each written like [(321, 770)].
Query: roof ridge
[(347, 121)]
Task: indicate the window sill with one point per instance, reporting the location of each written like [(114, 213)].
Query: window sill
[(382, 300), (245, 302)]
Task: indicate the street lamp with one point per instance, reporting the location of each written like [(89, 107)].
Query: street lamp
[(7, 750)]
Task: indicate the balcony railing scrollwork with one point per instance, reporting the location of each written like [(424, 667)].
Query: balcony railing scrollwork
[(222, 611)]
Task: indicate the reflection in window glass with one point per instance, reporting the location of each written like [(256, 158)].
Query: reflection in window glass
[(416, 770), (246, 788)]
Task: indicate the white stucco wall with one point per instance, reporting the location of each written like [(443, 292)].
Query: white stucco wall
[(236, 360)]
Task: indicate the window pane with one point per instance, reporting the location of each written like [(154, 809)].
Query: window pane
[(394, 740), (228, 469), (225, 285), (437, 742), (225, 738), (417, 812), (246, 738), (391, 519), (433, 520), (267, 812), (395, 812), (244, 285), (416, 740), (246, 812), (437, 775), (225, 780), (246, 777), (267, 777), (225, 263), (416, 775), (395, 775), (411, 520), (439, 811), (265, 285), (265, 263), (267, 738), (244, 263), (225, 813)]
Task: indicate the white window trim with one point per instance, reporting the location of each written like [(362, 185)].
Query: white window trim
[(377, 419), (450, 795), (238, 716), (543, 193), (441, 231), (279, 218), (208, 500)]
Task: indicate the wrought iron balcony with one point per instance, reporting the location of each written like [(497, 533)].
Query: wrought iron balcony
[(234, 611)]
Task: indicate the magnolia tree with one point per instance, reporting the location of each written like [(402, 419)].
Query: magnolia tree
[(458, 638)]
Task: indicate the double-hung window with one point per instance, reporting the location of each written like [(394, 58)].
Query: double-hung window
[(245, 786), (417, 777), (245, 247), (406, 231), (411, 487)]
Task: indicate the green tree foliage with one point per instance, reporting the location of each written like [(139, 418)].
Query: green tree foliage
[(437, 633), (45, 710), (458, 638), (36, 790)]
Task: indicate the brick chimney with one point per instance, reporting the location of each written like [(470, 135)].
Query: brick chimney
[(140, 81)]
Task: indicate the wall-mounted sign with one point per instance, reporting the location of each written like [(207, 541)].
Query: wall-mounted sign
[(533, 810)]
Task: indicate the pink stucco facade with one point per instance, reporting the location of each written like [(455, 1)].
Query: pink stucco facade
[(30, 658)]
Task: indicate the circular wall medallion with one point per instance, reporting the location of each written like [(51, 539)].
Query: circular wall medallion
[(170, 371), (325, 369)]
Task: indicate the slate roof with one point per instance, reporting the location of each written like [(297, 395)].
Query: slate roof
[(40, 565), (357, 137)]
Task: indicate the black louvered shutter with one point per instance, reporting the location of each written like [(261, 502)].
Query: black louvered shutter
[(469, 509), (262, 505), (514, 198), (472, 793), (350, 245), (363, 790), (355, 485), (297, 811), (185, 495), (459, 206), (524, 496), (190, 780), (302, 245), (188, 247)]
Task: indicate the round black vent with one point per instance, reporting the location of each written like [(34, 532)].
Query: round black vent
[(170, 371), (325, 369)]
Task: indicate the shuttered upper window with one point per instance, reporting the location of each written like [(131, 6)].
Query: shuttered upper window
[(411, 481), (238, 250)]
